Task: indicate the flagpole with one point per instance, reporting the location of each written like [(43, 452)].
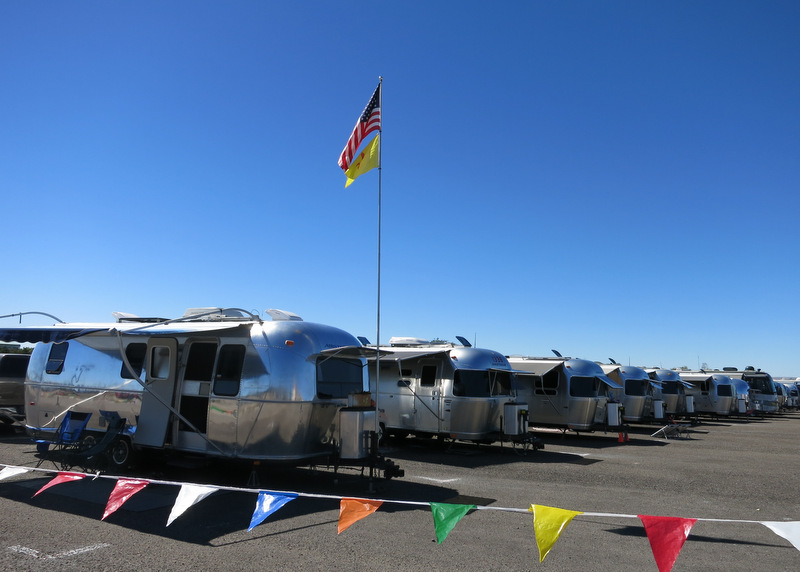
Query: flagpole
[(378, 313)]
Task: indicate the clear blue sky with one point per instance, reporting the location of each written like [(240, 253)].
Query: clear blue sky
[(609, 179)]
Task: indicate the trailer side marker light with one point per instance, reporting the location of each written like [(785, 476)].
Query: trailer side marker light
[(289, 343)]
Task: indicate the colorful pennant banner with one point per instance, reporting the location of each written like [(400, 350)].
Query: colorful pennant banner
[(666, 534)]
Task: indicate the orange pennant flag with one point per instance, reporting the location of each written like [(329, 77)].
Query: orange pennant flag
[(666, 535), (353, 510)]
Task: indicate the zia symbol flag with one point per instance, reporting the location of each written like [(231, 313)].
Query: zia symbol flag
[(548, 524), (367, 160)]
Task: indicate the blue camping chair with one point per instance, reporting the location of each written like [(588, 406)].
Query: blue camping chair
[(68, 434)]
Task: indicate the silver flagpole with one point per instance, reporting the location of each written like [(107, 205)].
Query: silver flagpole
[(378, 325)]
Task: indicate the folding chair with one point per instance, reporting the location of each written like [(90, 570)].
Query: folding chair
[(67, 435)]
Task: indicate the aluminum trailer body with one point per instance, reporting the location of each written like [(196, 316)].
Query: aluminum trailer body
[(713, 393), (563, 392), (445, 390), (216, 382)]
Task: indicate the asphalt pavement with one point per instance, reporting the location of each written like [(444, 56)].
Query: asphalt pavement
[(731, 474)]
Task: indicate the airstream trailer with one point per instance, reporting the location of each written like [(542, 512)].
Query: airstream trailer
[(712, 392), (12, 386), (564, 392), (762, 394), (741, 396), (635, 391), (221, 383), (444, 390), (671, 391)]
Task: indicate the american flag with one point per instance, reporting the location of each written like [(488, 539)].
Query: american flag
[(369, 121)]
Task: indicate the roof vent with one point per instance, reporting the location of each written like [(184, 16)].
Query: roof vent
[(407, 342), (211, 314), (283, 316)]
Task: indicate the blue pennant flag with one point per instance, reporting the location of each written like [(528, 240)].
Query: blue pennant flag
[(266, 504)]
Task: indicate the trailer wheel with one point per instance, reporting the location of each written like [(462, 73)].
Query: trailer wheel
[(120, 453)]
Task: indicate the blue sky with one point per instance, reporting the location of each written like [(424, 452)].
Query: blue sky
[(609, 179)]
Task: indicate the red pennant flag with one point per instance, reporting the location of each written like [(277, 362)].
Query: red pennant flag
[(123, 490), (353, 510), (62, 477), (667, 535)]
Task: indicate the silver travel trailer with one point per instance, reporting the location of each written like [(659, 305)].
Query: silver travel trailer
[(221, 383), (635, 391), (672, 391), (712, 392), (763, 397), (564, 392), (444, 390), (741, 396)]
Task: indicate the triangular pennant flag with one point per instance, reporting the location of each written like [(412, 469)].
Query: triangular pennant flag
[(123, 490), (667, 535), (446, 516), (548, 524), (62, 477), (353, 510), (789, 530), (189, 495), (266, 504), (9, 472)]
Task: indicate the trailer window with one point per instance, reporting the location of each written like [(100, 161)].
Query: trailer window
[(636, 386), (55, 361), (501, 382), (471, 383), (229, 370), (135, 353), (761, 384), (724, 391), (200, 363), (582, 386), (546, 384), (14, 366), (428, 376), (669, 387), (337, 377)]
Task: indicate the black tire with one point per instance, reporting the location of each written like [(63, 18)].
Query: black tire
[(120, 453)]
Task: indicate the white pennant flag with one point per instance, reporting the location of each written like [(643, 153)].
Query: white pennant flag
[(9, 472), (188, 496), (789, 530)]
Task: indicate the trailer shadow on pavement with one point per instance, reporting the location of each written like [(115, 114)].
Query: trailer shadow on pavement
[(222, 513)]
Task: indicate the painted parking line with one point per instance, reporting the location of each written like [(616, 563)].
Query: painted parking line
[(66, 554)]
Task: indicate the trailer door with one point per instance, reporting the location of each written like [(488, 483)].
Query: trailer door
[(428, 396), (161, 362)]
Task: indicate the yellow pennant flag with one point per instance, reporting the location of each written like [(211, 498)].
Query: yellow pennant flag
[(548, 523), (367, 160)]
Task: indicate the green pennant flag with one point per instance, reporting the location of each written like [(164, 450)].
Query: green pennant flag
[(446, 516)]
